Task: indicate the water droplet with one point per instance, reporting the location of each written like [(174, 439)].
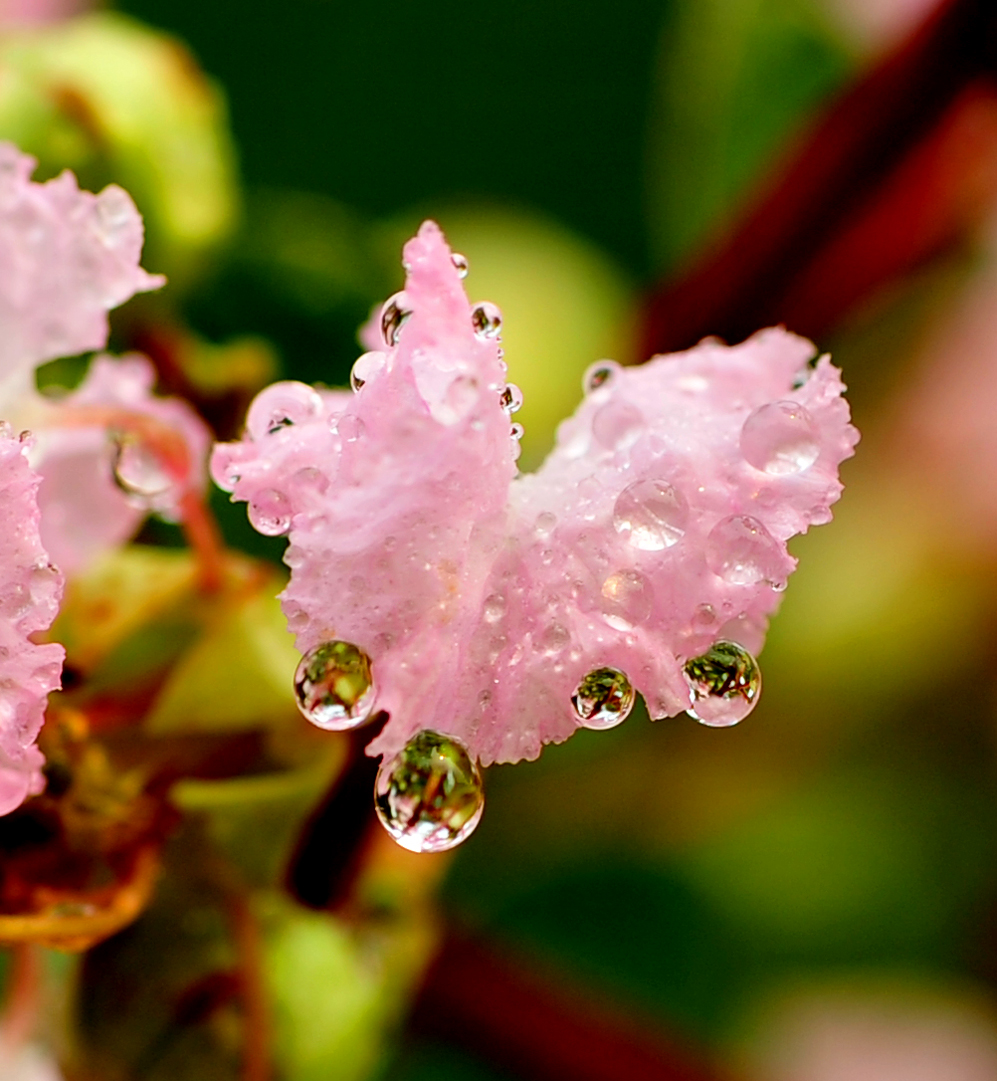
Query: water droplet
[(458, 401), (430, 796), (334, 687), (270, 512), (724, 684), (350, 428), (137, 469), (460, 264), (366, 368), (554, 639), (603, 699), (545, 523), (651, 515), (395, 313), (599, 375), (517, 431), (617, 425), (780, 438), (741, 550), (486, 320), (281, 406), (511, 398), (494, 608), (626, 600)]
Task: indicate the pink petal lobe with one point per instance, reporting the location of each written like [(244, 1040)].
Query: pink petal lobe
[(656, 526), (66, 258), (29, 600)]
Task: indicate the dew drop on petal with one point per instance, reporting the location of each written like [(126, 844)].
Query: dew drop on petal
[(350, 428), (137, 469), (651, 515), (617, 425), (494, 608), (511, 398), (281, 406), (394, 315), (545, 523), (740, 550), (270, 512), (486, 320), (626, 599), (333, 686), (517, 431), (460, 264), (780, 438), (724, 684), (430, 796), (365, 368), (603, 699), (599, 375), (554, 638)]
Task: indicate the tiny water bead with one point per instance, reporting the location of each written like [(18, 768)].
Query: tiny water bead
[(282, 406), (486, 320), (603, 699), (459, 264), (511, 398), (617, 425), (651, 515), (780, 438), (430, 796), (740, 550), (270, 512), (395, 313), (626, 599), (365, 368), (137, 469), (724, 684), (334, 687), (599, 375)]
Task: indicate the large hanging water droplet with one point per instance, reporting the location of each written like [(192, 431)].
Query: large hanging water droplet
[(626, 599), (270, 512), (334, 687), (741, 550), (599, 375), (651, 515), (459, 264), (365, 368), (617, 425), (511, 398), (395, 313), (603, 699), (724, 684), (137, 469), (486, 320), (780, 438), (429, 797)]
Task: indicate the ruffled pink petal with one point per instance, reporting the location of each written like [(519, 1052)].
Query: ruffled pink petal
[(85, 512), (484, 598), (30, 591), (66, 258)]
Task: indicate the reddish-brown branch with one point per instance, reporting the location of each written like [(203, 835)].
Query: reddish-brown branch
[(21, 1006), (255, 1003), (507, 1015), (204, 538), (835, 179)]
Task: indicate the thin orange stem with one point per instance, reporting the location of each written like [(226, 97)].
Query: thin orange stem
[(256, 1006), (20, 1011), (204, 538)]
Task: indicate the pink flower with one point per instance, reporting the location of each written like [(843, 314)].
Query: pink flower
[(30, 591), (656, 528)]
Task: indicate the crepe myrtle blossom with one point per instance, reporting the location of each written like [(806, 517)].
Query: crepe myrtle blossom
[(487, 612), (99, 458)]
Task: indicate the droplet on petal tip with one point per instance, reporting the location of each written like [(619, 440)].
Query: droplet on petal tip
[(603, 699), (724, 684), (334, 687), (430, 796)]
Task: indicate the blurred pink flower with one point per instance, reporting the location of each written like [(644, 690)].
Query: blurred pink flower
[(656, 527)]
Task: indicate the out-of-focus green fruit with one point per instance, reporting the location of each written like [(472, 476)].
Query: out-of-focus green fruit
[(115, 101)]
